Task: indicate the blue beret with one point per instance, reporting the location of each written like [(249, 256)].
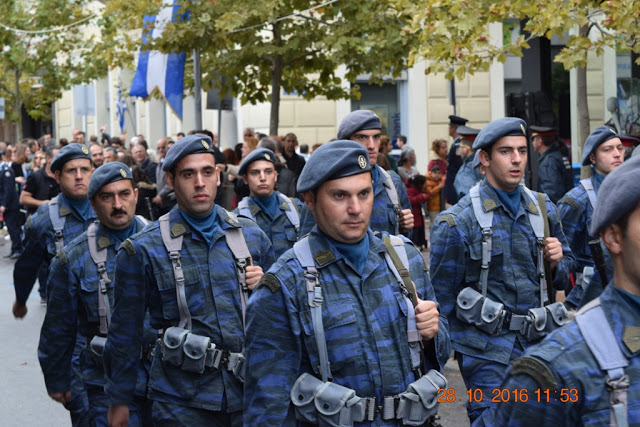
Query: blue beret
[(476, 160), (618, 194), (106, 174), (255, 155), (457, 120), (336, 159), (506, 126), (69, 152), (192, 144), (598, 137), (358, 120)]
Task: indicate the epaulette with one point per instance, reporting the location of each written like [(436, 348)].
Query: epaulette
[(570, 201), (62, 257), (536, 369), (449, 219), (127, 245), (270, 281)]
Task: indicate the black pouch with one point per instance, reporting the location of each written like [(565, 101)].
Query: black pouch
[(195, 353), (172, 342)]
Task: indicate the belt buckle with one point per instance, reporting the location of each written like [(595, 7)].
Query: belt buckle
[(506, 322)]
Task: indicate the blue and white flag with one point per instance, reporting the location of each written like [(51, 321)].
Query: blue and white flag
[(121, 109), (160, 71)]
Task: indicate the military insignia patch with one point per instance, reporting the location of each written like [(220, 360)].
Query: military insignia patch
[(613, 131), (362, 162), (85, 150), (204, 144), (267, 156), (123, 173), (523, 129)]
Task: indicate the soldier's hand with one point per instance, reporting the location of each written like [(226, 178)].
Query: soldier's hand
[(19, 310), (406, 220), (118, 415), (552, 251), (427, 319), (253, 274), (61, 397)]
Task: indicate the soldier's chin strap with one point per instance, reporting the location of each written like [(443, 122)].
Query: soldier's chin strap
[(100, 259)]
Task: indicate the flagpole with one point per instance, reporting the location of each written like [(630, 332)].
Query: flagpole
[(197, 88)]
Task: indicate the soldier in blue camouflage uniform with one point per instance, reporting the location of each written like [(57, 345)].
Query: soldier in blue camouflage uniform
[(468, 175), (72, 168), (75, 290), (566, 383), (210, 293), (513, 275), (364, 127), (269, 208), (555, 176), (604, 151), (363, 310)]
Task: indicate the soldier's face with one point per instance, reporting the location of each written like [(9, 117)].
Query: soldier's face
[(507, 162), (608, 156), (342, 207), (369, 139), (195, 183), (74, 178), (624, 246), (261, 177), (115, 204)]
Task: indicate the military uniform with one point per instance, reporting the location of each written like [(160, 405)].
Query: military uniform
[(73, 308), (9, 199), (466, 177), (213, 299), (555, 177)]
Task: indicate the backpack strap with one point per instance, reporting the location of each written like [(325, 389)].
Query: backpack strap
[(291, 211), (144, 221), (99, 257), (57, 222), (238, 245), (602, 343), (393, 196), (302, 251), (173, 246), (485, 219), (539, 224), (591, 191), (244, 210)]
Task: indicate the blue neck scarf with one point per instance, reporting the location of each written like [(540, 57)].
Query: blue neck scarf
[(599, 178), (375, 175), (356, 253), (269, 204), (82, 208), (121, 235), (510, 199), (206, 226)]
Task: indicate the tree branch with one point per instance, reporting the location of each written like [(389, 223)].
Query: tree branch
[(304, 55)]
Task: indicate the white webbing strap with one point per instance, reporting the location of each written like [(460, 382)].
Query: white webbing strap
[(485, 219), (238, 246), (173, 246), (100, 259), (244, 210), (292, 212), (537, 224), (57, 222), (591, 191), (393, 196)]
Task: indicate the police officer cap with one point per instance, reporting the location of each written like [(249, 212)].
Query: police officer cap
[(467, 132), (192, 144), (506, 126), (69, 152), (358, 120), (598, 137), (254, 156), (542, 131), (106, 174), (457, 120), (333, 160), (618, 194)]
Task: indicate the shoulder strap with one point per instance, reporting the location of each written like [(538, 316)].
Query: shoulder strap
[(238, 245), (57, 222), (539, 224), (591, 192), (602, 343), (485, 219), (292, 212), (100, 259), (143, 220), (244, 210), (173, 246), (303, 253), (393, 196)]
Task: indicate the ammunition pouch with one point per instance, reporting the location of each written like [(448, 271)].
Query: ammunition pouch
[(96, 348), (172, 342), (475, 309), (195, 353), (420, 401), (544, 320)]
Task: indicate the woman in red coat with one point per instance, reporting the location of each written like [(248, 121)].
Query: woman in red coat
[(418, 195)]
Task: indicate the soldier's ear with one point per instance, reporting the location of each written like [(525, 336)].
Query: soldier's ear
[(309, 199), (612, 237)]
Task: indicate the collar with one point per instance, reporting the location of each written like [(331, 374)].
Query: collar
[(104, 236), (179, 226), (491, 201)]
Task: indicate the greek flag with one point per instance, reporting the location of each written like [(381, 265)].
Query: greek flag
[(160, 71), (121, 109)]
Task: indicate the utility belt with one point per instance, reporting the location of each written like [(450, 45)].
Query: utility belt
[(491, 317), (330, 404), (195, 353), (96, 344)]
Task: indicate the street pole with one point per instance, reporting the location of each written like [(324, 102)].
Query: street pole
[(197, 88)]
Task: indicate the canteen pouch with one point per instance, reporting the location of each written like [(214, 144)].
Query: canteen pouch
[(96, 347), (195, 353), (420, 401), (172, 342), (536, 324), (484, 313), (338, 406), (303, 393)]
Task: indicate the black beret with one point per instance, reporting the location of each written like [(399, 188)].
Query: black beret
[(506, 126), (457, 120), (358, 120), (254, 156), (106, 174), (69, 152), (336, 159), (192, 144), (618, 194), (598, 137)]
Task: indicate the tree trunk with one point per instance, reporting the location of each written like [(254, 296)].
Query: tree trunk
[(583, 109), (276, 78), (17, 106)]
